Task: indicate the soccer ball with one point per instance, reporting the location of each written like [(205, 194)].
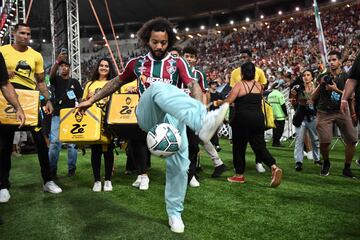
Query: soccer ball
[(163, 140)]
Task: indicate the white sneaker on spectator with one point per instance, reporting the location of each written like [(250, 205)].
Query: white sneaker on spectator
[(51, 187), (97, 186), (176, 224), (144, 184), (4, 195), (194, 183), (137, 181), (108, 186), (212, 121), (260, 168)]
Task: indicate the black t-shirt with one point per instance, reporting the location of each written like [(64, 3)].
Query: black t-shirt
[(4, 77), (60, 97), (355, 74), (329, 101)]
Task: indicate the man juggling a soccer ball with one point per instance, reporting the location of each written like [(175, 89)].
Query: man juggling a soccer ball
[(158, 74)]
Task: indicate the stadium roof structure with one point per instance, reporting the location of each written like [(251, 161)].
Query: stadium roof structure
[(128, 15)]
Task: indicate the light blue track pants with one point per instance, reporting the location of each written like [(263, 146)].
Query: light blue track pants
[(166, 103)]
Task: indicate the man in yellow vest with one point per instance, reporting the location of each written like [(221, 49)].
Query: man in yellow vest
[(245, 56)]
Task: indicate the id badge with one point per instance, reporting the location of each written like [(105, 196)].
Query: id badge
[(71, 94)]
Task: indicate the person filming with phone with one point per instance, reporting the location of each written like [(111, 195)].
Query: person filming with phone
[(66, 93)]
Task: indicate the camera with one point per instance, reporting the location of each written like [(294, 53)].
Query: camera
[(328, 80), (298, 85)]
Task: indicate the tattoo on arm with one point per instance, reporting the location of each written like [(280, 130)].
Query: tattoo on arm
[(195, 90), (112, 86)]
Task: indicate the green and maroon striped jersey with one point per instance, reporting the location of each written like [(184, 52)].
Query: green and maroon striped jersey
[(146, 70), (200, 78)]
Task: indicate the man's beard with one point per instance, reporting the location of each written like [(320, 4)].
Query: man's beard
[(157, 57)]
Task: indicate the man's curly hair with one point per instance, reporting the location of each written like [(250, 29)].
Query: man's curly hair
[(158, 24)]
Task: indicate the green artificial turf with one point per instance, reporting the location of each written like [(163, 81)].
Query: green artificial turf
[(305, 206)]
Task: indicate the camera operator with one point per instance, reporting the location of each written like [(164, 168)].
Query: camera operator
[(327, 96), (304, 118)]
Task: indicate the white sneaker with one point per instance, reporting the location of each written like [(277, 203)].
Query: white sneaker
[(212, 121), (108, 186), (51, 187), (4, 195), (97, 186), (144, 184), (310, 156), (137, 181), (176, 224), (260, 168), (194, 183)]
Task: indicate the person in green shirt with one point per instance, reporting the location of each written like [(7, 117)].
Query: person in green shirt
[(277, 102)]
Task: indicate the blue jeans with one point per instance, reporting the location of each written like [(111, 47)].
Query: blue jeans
[(166, 103), (55, 147), (299, 140)]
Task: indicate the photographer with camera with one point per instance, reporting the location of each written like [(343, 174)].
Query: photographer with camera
[(304, 118), (327, 96)]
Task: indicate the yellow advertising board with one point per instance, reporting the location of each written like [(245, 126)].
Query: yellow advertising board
[(29, 101), (82, 129), (122, 109)]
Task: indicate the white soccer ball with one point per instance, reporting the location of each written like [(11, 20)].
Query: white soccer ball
[(163, 140)]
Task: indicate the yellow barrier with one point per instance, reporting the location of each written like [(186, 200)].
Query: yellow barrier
[(122, 109), (82, 129), (29, 101)]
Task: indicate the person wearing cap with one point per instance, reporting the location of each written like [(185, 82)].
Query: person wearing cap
[(277, 102), (66, 92)]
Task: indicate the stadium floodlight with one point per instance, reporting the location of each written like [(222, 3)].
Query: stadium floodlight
[(247, 19), (268, 26), (187, 29), (199, 34), (262, 16), (333, 1), (190, 36), (103, 38), (132, 35), (283, 21), (217, 24), (219, 31), (280, 12), (291, 18), (31, 41), (243, 27), (266, 23), (202, 27), (348, 5), (90, 39), (232, 22), (44, 40), (297, 9), (178, 38), (235, 29), (117, 37), (174, 30)]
